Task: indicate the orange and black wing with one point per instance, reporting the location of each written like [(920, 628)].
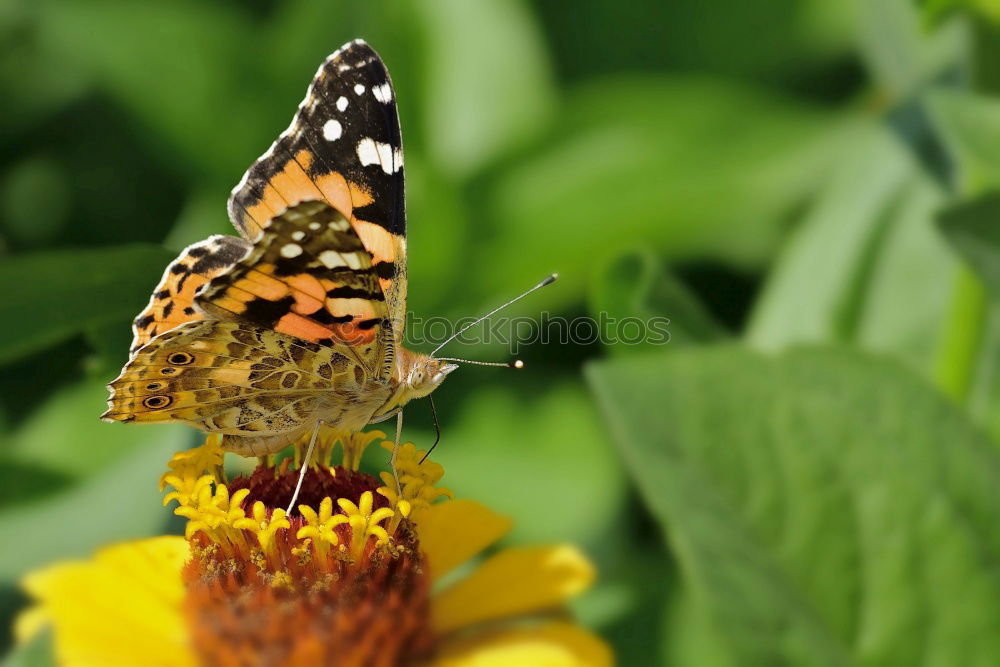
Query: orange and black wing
[(172, 302), (342, 147), (309, 276)]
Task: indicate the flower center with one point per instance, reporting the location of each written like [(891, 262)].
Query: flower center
[(325, 586), (274, 486)]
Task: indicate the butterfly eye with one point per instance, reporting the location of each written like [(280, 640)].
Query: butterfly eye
[(180, 359), (157, 402)]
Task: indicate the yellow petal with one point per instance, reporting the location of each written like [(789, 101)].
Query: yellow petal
[(513, 582), (380, 514), (453, 532), (365, 503), (122, 607), (347, 506), (29, 623), (552, 645), (309, 514)]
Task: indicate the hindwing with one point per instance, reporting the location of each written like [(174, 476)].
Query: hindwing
[(240, 380)]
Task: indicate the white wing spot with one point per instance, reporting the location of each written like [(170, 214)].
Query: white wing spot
[(331, 259), (332, 130), (383, 93), (298, 236), (353, 260), (341, 103), (291, 250), (375, 152), (339, 225), (359, 89), (367, 152), (314, 226)]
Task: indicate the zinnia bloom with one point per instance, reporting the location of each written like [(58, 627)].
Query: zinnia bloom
[(363, 574)]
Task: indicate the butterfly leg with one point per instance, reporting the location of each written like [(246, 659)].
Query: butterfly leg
[(303, 467), (395, 450)]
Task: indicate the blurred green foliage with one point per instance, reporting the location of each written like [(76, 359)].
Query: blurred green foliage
[(806, 474)]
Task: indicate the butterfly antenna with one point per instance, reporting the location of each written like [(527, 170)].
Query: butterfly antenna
[(548, 281), (517, 363), (437, 429)]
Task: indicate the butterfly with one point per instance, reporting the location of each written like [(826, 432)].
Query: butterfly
[(299, 321)]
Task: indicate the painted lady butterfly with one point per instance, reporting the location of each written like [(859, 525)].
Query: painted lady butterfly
[(260, 338)]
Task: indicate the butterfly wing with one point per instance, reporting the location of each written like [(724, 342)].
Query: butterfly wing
[(239, 380), (172, 302), (309, 275), (344, 147)]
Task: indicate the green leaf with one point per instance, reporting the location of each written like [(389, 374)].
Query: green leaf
[(865, 252), (38, 652), (551, 448), (973, 229), (33, 180), (438, 239), (110, 343), (638, 287), (969, 364), (44, 82), (23, 482), (194, 98), (779, 41), (813, 281), (626, 603), (826, 507), (688, 167), (936, 10), (488, 81), (687, 634), (909, 265), (65, 434), (969, 124), (59, 293), (900, 53), (122, 502)]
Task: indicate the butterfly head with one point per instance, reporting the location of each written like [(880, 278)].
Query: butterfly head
[(418, 375), (426, 374)]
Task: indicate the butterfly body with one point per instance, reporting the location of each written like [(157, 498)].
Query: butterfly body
[(300, 321)]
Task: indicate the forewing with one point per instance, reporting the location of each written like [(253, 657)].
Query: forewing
[(343, 146), (309, 276), (172, 302)]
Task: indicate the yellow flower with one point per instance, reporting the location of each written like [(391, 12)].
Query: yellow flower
[(320, 526), (364, 522), (264, 525), (418, 477), (192, 470), (319, 579), (213, 511), (355, 444), (124, 606)]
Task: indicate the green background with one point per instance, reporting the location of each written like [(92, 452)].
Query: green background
[(807, 474)]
